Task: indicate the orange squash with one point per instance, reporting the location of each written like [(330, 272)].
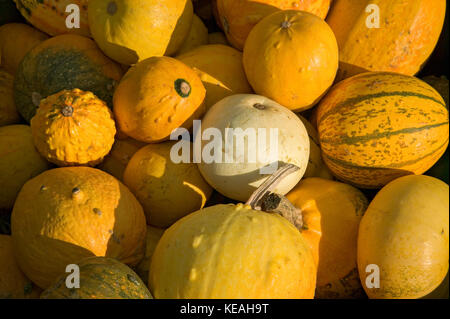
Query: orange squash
[(19, 161), (8, 111), (13, 283), (238, 17), (66, 214), (404, 39), (119, 156), (377, 126), (292, 58), (100, 278), (331, 213), (157, 96), (50, 15), (73, 127), (63, 62), (14, 48), (220, 69), (198, 35), (167, 190), (130, 31)]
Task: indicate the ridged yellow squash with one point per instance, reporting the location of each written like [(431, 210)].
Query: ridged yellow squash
[(232, 251)]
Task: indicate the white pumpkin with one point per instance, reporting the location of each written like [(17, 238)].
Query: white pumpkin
[(242, 174)]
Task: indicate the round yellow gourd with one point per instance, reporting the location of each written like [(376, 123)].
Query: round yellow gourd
[(8, 111), (129, 31), (250, 116), (19, 161), (332, 210), (155, 97), (198, 35), (73, 127), (220, 69), (232, 251), (404, 232), (292, 58), (167, 190)]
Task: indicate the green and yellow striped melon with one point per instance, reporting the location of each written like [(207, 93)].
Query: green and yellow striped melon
[(377, 126)]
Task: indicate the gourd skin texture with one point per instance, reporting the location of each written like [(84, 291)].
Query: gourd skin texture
[(198, 35), (232, 251), (19, 161), (117, 160), (13, 283), (316, 167), (8, 112), (66, 214), (149, 103), (407, 34), (240, 178), (100, 278), (50, 15), (166, 190), (292, 58), (331, 213), (62, 63), (154, 234), (220, 69), (14, 48), (129, 31), (378, 126), (238, 17), (405, 232), (81, 137)]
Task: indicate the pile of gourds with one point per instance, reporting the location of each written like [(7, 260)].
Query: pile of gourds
[(87, 169)]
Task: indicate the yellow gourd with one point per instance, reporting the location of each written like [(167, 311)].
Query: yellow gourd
[(404, 232), (8, 111), (198, 35), (167, 190)]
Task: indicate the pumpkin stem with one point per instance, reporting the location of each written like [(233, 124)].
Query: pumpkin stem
[(112, 8), (286, 24), (67, 111), (264, 199), (182, 87)]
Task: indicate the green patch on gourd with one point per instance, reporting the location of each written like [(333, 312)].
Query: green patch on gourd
[(50, 71), (182, 87)]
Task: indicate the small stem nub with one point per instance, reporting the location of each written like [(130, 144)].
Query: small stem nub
[(259, 106), (286, 25), (182, 87), (67, 111), (112, 8)]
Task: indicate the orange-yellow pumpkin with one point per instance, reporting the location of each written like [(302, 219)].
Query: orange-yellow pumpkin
[(377, 126), (198, 35), (13, 283), (166, 189), (16, 39), (51, 16), (8, 111), (154, 234), (378, 35), (220, 69), (119, 156), (129, 31), (238, 17), (157, 96), (232, 251), (100, 278), (19, 161), (292, 58), (73, 127), (331, 213), (68, 213), (404, 232)]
